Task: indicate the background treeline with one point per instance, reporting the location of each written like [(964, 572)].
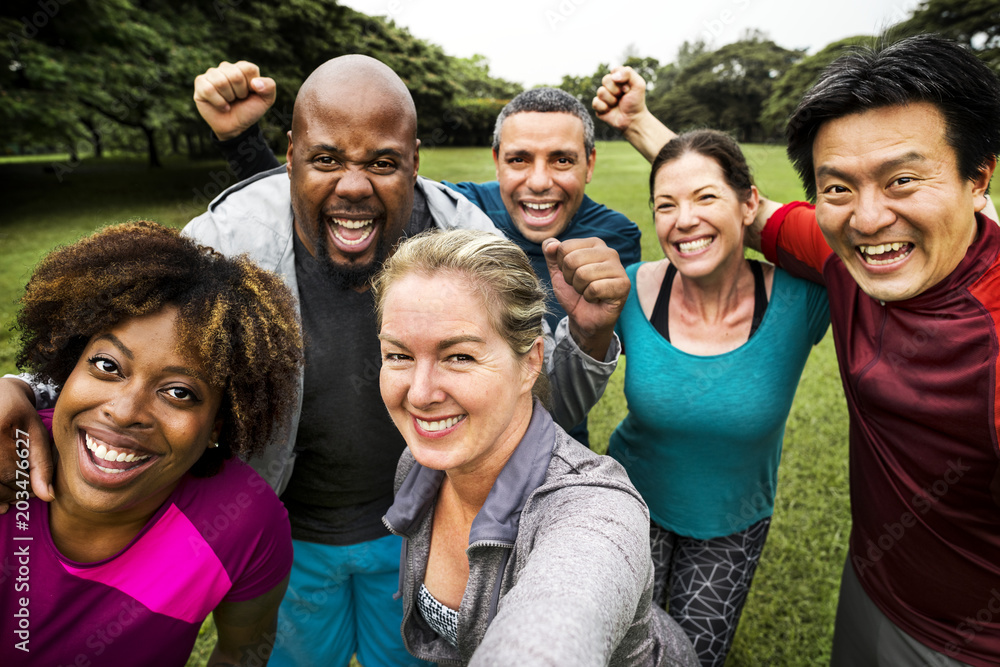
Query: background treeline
[(92, 76)]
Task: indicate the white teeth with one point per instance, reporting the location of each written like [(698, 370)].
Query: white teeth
[(101, 451), (353, 224), (539, 207), (870, 253), (691, 246), (439, 425), (364, 236)]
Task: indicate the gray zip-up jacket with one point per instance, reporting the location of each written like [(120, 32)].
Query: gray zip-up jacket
[(559, 564)]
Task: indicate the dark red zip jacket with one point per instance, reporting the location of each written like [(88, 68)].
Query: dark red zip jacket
[(920, 376)]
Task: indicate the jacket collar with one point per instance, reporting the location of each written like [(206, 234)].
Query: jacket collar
[(498, 519)]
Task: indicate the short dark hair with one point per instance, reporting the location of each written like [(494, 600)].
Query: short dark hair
[(925, 68), (713, 144), (547, 100), (240, 319)]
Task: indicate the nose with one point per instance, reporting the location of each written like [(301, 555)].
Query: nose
[(425, 389), (686, 217), (127, 409), (871, 214), (539, 178), (354, 185)]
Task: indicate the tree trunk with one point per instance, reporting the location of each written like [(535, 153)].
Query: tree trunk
[(154, 156), (95, 137)]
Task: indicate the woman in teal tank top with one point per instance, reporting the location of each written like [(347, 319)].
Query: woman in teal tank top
[(716, 344)]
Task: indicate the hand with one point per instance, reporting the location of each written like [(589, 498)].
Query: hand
[(20, 421), (621, 98), (591, 285), (231, 98)]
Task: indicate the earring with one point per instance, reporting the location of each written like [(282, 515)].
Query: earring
[(214, 445)]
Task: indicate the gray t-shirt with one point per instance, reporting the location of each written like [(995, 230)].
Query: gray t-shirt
[(347, 446)]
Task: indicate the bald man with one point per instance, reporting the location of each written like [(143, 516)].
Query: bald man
[(349, 194)]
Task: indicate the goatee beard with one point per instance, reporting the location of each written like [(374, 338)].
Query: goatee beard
[(351, 276)]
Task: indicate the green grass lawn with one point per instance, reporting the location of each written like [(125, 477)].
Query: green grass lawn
[(788, 619)]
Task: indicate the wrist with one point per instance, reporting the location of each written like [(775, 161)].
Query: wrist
[(20, 386), (594, 341)]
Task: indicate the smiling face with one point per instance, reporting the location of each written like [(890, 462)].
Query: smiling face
[(543, 168), (132, 397), (699, 218), (452, 385), (890, 200), (353, 161)]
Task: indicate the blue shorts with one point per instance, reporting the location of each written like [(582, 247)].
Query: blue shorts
[(340, 602)]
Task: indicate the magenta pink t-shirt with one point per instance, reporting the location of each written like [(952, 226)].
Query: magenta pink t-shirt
[(222, 538)]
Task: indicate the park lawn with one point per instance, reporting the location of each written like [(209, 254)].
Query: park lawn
[(789, 616)]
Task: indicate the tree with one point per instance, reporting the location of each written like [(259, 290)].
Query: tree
[(724, 89), (799, 78), (81, 67), (975, 23)]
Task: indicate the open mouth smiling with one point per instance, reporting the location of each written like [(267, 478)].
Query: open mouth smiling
[(113, 460), (438, 427), (540, 213), (688, 247), (884, 253), (354, 234)]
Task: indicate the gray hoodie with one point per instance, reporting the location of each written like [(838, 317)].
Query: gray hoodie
[(559, 564)]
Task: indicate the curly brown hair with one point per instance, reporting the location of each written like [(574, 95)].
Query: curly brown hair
[(239, 318)]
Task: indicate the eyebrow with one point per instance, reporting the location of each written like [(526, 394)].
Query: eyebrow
[(190, 372), (180, 370), (113, 339), (442, 345), (520, 152), (889, 165), (380, 152), (667, 195)]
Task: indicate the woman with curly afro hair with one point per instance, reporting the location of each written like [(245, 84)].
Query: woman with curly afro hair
[(172, 361)]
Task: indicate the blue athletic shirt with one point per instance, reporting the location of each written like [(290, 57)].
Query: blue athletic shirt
[(591, 219), (702, 438)]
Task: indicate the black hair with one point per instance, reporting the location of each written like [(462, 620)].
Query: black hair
[(925, 68)]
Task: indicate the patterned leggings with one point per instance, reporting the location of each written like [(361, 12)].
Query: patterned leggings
[(706, 583)]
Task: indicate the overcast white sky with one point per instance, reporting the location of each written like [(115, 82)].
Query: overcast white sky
[(536, 42)]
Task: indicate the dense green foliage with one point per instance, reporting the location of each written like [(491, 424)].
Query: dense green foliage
[(789, 616), (85, 75)]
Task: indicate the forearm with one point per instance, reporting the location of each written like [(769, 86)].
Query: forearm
[(648, 135), (578, 379), (247, 154)]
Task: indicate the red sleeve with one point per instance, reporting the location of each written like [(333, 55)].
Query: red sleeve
[(792, 240)]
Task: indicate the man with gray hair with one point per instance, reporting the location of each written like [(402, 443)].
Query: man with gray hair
[(543, 149)]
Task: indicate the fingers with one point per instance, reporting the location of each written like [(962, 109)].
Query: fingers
[(24, 443), (592, 268), (266, 88), (227, 83)]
